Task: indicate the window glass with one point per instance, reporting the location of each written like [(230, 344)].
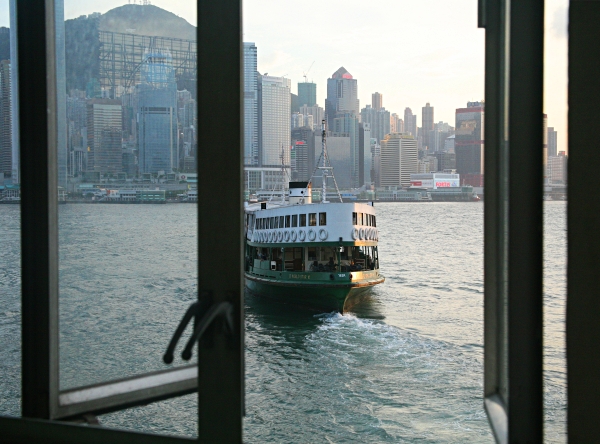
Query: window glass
[(294, 220), (276, 223), (354, 219), (281, 221), (272, 222), (303, 220), (287, 221), (312, 219), (374, 221), (322, 219)]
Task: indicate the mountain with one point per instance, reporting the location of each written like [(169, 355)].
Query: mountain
[(82, 46), (146, 20)]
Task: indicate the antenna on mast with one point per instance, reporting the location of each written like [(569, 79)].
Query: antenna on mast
[(326, 166)]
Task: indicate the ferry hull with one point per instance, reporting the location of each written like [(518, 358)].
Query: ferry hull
[(323, 297)]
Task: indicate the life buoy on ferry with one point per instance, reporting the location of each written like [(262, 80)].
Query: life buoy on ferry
[(286, 235), (280, 236), (370, 234), (270, 236), (293, 235), (323, 234), (312, 235), (301, 235), (354, 233), (361, 233)]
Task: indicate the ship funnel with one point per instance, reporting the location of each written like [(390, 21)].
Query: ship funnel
[(300, 193)]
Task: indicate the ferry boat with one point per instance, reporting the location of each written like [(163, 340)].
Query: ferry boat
[(318, 255)]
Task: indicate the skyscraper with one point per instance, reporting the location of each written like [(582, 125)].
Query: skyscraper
[(61, 93), (6, 152), (545, 143), (274, 116), (14, 93), (379, 119), (552, 142), (347, 125), (410, 122), (103, 117), (342, 95), (469, 142), (157, 113), (250, 105), (399, 159), (427, 121), (307, 94), (377, 100)]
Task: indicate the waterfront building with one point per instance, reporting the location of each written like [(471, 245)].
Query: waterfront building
[(61, 92), (299, 160), (379, 119), (103, 156), (433, 181), (545, 143), (14, 93), (274, 117), (305, 135), (552, 142), (342, 95), (157, 114), (307, 95), (347, 124), (399, 159), (377, 100), (469, 143), (445, 160), (410, 122), (250, 104), (6, 151), (428, 128)]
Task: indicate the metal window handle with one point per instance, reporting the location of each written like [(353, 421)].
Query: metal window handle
[(222, 309)]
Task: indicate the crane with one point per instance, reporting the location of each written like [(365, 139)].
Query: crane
[(305, 74)]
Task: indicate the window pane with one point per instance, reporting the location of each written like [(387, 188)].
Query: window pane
[(312, 219), (294, 220), (322, 218), (303, 220)]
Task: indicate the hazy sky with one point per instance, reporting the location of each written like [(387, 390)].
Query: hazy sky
[(411, 52)]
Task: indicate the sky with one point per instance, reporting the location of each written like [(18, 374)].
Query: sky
[(411, 52)]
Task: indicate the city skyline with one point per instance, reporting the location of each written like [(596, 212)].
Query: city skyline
[(442, 69)]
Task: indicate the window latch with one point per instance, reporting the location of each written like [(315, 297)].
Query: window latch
[(206, 316)]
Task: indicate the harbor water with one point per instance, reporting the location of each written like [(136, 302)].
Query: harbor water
[(405, 366)]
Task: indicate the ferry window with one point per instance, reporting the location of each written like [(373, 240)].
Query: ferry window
[(354, 219), (312, 219), (287, 221), (295, 220), (322, 218), (369, 220), (303, 220), (360, 218), (276, 222), (272, 225), (280, 221), (312, 254), (374, 221)]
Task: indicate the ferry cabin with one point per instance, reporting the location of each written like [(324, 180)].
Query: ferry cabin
[(331, 237)]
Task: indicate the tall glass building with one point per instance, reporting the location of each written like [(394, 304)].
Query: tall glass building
[(250, 105), (342, 95), (274, 100), (61, 92), (157, 113), (307, 94)]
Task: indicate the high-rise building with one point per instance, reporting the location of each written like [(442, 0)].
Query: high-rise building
[(274, 120), (250, 105), (399, 159), (307, 136), (61, 92), (317, 113), (545, 143), (552, 142), (469, 142), (377, 100), (364, 150), (347, 124), (307, 94), (103, 117), (6, 151), (14, 93), (410, 122), (342, 95), (339, 151), (557, 169), (427, 126), (396, 124), (157, 114), (379, 119)]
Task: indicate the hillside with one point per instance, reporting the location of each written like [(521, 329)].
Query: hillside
[(146, 20)]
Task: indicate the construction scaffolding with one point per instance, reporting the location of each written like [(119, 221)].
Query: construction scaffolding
[(122, 56)]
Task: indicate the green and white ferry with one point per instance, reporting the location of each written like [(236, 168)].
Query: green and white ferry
[(319, 255)]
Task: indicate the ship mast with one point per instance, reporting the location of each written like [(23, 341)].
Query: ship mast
[(326, 166)]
